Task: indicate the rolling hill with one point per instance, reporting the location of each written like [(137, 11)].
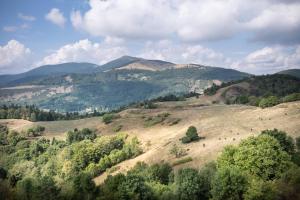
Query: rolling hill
[(292, 72), (83, 86)]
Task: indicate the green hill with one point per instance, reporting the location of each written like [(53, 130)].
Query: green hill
[(292, 72)]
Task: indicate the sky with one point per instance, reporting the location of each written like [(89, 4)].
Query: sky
[(254, 36)]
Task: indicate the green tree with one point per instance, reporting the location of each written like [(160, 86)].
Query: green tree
[(188, 184), (262, 190), (229, 183), (84, 187), (261, 156), (134, 187), (285, 141), (191, 135), (298, 143)]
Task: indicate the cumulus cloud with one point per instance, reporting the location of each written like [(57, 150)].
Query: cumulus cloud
[(14, 57), (184, 53), (269, 60), (26, 17), (56, 17), (84, 51), (130, 18), (270, 21)]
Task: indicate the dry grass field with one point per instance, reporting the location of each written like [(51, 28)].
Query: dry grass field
[(220, 124)]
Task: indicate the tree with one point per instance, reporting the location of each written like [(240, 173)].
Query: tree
[(188, 184), (262, 190), (160, 173), (229, 183), (260, 156), (84, 186), (298, 143), (134, 187), (206, 175), (3, 134), (286, 142), (191, 135)]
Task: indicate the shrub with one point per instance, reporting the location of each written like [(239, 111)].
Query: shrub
[(177, 151), (191, 135), (151, 121), (269, 101), (118, 128), (78, 135), (291, 97), (109, 117), (182, 161)]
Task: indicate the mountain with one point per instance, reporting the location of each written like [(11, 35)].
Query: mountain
[(84, 86), (48, 70), (292, 72), (128, 62)]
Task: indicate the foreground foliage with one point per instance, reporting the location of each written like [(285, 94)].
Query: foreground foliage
[(259, 167)]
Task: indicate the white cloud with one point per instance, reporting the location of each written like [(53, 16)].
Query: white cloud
[(15, 28), (273, 21), (184, 53), (14, 57), (10, 28), (84, 51), (269, 60), (26, 17), (56, 17), (130, 18)]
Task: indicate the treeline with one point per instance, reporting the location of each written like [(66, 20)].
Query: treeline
[(263, 91), (53, 169), (33, 113)]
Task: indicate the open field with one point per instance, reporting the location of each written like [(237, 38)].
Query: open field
[(220, 124)]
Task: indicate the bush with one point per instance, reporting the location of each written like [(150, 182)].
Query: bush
[(177, 151), (291, 97), (109, 117), (182, 161), (78, 135), (269, 101), (191, 135), (36, 131)]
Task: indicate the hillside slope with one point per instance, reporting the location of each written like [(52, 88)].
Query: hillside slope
[(211, 120), (292, 72)]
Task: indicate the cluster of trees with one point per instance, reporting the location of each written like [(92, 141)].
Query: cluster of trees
[(53, 169), (262, 167), (259, 168), (33, 113), (264, 91), (190, 135)]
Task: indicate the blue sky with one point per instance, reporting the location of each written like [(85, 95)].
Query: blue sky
[(257, 36)]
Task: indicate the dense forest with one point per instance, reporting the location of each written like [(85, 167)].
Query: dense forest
[(262, 167), (263, 91), (33, 113)]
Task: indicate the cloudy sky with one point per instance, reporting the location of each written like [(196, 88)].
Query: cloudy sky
[(255, 36)]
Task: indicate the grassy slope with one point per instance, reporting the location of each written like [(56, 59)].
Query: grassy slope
[(219, 124)]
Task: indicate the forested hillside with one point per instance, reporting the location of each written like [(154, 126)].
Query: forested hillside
[(263, 91)]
